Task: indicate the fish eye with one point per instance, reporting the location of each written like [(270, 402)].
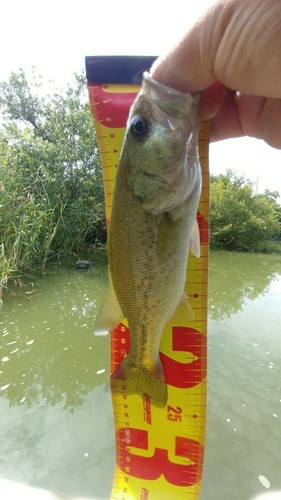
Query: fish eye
[(139, 127)]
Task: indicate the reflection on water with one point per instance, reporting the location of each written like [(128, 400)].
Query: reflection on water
[(243, 447), (236, 278), (48, 349), (58, 449), (56, 426)]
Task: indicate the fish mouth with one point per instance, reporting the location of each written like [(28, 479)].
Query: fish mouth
[(153, 176), (173, 102)]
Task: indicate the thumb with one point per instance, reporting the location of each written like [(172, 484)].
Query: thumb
[(236, 43), (189, 65)]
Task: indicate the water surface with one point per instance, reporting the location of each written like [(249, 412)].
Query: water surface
[(243, 446), (56, 426)]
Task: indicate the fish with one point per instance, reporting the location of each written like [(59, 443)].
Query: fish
[(153, 226)]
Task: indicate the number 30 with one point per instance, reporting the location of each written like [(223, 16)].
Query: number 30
[(151, 467)]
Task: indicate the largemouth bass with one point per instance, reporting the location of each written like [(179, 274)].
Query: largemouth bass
[(153, 226)]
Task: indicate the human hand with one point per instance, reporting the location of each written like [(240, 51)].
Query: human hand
[(233, 55)]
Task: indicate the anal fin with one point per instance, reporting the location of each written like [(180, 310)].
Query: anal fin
[(183, 313), (110, 313), (133, 378)]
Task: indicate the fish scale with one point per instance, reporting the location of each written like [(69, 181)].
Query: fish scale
[(159, 451)]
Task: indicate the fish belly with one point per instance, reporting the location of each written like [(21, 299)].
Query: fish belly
[(148, 257)]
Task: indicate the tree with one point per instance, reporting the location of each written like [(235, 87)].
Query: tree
[(240, 220), (272, 197), (51, 192)]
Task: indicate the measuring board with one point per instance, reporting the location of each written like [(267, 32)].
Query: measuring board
[(159, 451)]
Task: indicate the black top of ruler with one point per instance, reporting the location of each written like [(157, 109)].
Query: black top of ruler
[(117, 69)]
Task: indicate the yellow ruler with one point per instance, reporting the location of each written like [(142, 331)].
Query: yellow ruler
[(159, 451)]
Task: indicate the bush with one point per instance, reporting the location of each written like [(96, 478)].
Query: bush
[(51, 190), (240, 220)]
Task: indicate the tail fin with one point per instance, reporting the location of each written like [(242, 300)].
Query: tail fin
[(141, 380)]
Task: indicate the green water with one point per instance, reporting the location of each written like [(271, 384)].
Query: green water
[(56, 427)]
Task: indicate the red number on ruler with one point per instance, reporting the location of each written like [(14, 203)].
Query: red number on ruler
[(174, 414), (151, 467), (203, 228), (184, 375)]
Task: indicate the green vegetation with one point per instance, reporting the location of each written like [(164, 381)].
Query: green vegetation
[(51, 191), (51, 194), (240, 219)]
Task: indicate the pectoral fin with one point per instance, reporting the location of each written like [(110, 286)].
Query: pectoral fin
[(195, 239), (110, 313)]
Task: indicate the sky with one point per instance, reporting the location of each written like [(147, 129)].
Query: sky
[(55, 37)]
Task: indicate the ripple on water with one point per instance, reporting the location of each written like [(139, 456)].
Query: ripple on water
[(264, 481), (4, 387)]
